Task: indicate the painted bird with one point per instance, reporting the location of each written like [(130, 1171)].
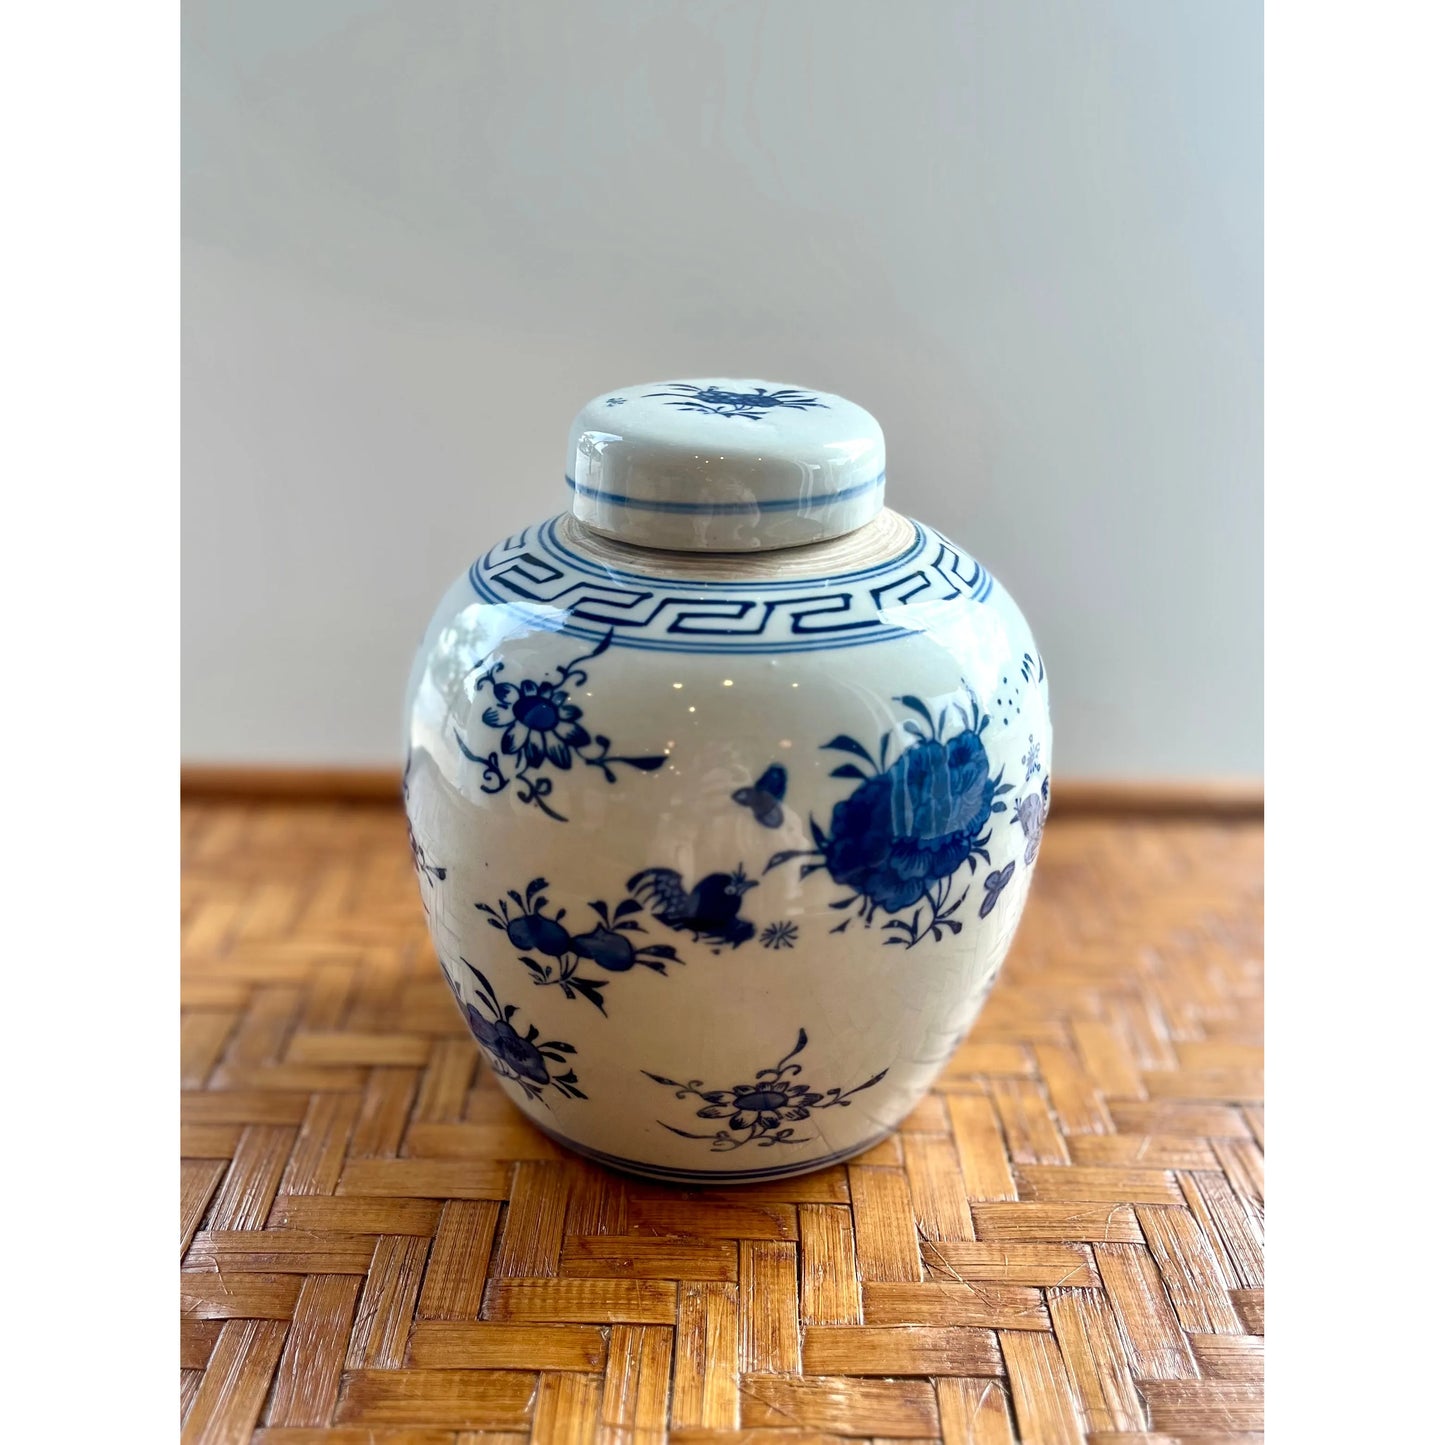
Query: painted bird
[(708, 911)]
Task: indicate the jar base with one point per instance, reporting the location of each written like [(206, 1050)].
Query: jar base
[(708, 1178)]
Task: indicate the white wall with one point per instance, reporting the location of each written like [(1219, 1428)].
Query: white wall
[(1026, 234)]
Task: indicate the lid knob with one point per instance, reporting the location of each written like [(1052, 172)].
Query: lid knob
[(721, 465)]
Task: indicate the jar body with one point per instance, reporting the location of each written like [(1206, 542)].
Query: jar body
[(721, 862)]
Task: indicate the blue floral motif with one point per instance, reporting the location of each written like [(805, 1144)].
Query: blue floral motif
[(898, 840), (756, 1111), (608, 943), (427, 872), (1031, 759), (779, 935), (524, 1059), (752, 405), (616, 401), (541, 726)]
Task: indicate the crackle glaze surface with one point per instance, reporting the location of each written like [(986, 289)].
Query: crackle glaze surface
[(722, 854)]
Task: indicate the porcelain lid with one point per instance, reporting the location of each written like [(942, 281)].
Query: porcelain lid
[(722, 465)]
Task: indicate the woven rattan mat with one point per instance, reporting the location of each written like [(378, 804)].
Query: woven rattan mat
[(1062, 1243)]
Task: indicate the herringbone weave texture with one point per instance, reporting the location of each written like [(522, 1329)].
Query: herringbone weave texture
[(1061, 1244)]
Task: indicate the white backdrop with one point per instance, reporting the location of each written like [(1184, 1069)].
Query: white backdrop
[(1026, 234)]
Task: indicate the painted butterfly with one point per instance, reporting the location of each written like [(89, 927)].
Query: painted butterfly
[(765, 797), (1029, 813), (993, 885)]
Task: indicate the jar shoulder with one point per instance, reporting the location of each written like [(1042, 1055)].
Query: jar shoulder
[(542, 660), (901, 579)]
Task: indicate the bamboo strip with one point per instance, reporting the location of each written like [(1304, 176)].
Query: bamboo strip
[(1046, 1410), (635, 1387), (705, 1382), (831, 1292), (388, 1303), (309, 1372), (229, 1397), (456, 1272), (973, 1412), (457, 1399), (900, 1350), (486, 1345), (768, 1291)]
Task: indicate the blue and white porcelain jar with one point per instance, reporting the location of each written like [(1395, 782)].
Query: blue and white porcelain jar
[(725, 788)]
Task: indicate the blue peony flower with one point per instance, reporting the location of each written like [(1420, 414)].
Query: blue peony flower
[(913, 824)]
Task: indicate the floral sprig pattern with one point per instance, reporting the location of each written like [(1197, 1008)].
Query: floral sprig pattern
[(542, 727), (428, 873), (751, 405), (524, 1059), (763, 1111), (609, 943), (779, 935), (898, 841), (1031, 759)]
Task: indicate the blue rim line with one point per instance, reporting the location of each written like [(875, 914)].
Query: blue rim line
[(705, 1176), (726, 509)]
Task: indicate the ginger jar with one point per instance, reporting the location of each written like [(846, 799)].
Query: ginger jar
[(725, 788)]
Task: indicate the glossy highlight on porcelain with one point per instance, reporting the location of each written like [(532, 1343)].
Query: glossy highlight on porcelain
[(722, 846)]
